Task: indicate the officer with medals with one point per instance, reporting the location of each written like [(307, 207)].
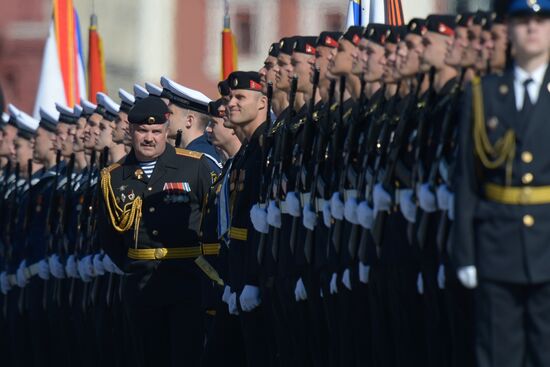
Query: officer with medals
[(500, 243), (150, 204)]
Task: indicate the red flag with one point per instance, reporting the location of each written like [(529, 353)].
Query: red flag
[(96, 62), (229, 47)]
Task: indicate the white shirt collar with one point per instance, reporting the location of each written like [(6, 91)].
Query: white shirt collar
[(538, 75), (520, 76)]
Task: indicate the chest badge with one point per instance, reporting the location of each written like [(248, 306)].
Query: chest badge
[(503, 89), (138, 173)]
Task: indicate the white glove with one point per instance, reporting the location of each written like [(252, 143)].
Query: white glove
[(56, 267), (300, 293), (334, 284), (226, 294), (274, 215), (350, 211), (426, 198), (443, 194), (381, 199), (346, 279), (451, 211), (71, 268), (85, 269), (407, 206), (258, 216), (108, 264), (441, 277), (293, 206), (309, 217), (4, 283), (420, 284), (327, 217), (336, 207), (44, 269), (364, 271), (250, 298), (21, 274), (468, 276), (233, 309), (364, 215), (321, 294), (99, 269)]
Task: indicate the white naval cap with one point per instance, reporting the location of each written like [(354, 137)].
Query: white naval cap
[(26, 125), (87, 107), (184, 97), (66, 114), (106, 107), (140, 92), (48, 120), (77, 111), (126, 100), (153, 89)]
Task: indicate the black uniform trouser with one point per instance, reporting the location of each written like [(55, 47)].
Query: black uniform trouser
[(512, 324), (316, 324), (255, 332), (224, 342), (85, 350), (18, 331), (330, 307), (166, 330)]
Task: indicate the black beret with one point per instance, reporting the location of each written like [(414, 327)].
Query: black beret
[(353, 34), (417, 26), (397, 34), (149, 110), (286, 45), (481, 18), (249, 80), (223, 87), (274, 49), (305, 45), (442, 24), (213, 107), (328, 39), (377, 33), (464, 19)]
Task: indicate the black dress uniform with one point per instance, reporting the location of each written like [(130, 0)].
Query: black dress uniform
[(155, 243), (502, 209)]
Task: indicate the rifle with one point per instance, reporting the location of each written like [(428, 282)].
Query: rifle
[(433, 174), (302, 157), (320, 147), (179, 135), (350, 145), (62, 223), (279, 163), (336, 229), (265, 163), (50, 217), (6, 207), (92, 225), (393, 152), (84, 202)]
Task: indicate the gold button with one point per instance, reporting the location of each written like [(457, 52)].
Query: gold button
[(152, 209), (155, 232), (527, 178), (527, 157), (160, 253), (528, 220), (149, 189)]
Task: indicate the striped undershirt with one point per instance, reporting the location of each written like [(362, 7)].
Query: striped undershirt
[(148, 167)]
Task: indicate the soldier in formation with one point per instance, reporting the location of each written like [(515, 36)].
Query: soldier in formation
[(368, 198)]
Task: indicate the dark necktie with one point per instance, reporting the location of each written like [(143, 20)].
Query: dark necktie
[(527, 103)]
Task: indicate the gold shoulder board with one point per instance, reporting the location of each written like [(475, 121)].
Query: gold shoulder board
[(188, 153)]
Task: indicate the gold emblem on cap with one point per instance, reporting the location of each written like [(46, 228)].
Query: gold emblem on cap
[(492, 123), (503, 89), (458, 18), (413, 26), (271, 49), (295, 45), (151, 120), (235, 82), (371, 32), (282, 44)]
